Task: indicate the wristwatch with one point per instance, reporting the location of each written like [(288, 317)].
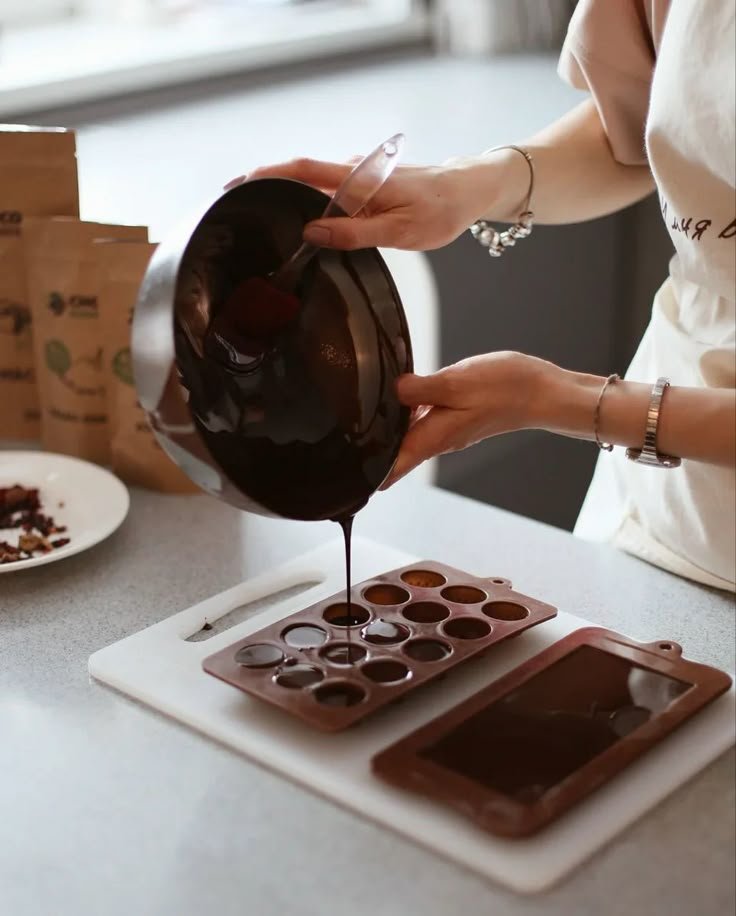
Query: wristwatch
[(648, 454)]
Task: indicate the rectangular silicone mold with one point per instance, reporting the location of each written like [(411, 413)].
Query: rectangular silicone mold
[(533, 744)]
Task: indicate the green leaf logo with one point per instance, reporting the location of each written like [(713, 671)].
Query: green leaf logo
[(57, 357), (122, 366)]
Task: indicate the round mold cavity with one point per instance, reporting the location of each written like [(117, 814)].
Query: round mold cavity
[(304, 636), (505, 610), (423, 578), (339, 694), (259, 655), (343, 653), (386, 671), (427, 650), (463, 594), (296, 677), (467, 628), (384, 593), (337, 615), (426, 612), (382, 632)]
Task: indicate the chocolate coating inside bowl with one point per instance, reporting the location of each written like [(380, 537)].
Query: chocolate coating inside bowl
[(293, 395)]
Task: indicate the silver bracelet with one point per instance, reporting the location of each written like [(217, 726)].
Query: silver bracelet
[(603, 446), (497, 242), (649, 454)]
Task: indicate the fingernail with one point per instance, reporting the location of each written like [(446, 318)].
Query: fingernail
[(317, 235), (235, 182)]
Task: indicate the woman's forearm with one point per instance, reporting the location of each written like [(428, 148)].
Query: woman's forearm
[(576, 176), (694, 423)]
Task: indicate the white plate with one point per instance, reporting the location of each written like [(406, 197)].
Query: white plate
[(94, 501)]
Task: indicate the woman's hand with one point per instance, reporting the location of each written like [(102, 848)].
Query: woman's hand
[(469, 401), (419, 207), (501, 392), (425, 207)]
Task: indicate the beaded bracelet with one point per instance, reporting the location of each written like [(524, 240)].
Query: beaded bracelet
[(497, 242)]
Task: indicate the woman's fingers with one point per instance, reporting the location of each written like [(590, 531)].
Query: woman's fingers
[(433, 434), (327, 175), (234, 182), (349, 234), (437, 390)]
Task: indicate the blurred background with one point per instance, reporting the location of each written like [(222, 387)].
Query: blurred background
[(172, 98)]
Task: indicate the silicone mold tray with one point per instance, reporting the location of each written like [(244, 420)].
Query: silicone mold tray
[(406, 628)]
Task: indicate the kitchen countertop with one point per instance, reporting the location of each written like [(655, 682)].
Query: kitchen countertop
[(109, 808)]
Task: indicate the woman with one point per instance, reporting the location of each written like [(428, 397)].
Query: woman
[(661, 114)]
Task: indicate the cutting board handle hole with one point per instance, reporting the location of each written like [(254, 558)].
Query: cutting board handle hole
[(210, 628)]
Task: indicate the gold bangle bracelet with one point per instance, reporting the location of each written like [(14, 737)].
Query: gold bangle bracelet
[(603, 446)]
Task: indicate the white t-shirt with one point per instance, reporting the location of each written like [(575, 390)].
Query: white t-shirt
[(662, 75)]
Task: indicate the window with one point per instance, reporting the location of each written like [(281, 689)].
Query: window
[(16, 12), (23, 12), (59, 52)]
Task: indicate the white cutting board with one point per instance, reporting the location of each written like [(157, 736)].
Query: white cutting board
[(161, 668)]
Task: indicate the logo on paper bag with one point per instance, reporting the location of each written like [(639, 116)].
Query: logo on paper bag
[(15, 318), (122, 366), (77, 306), (10, 221), (81, 374)]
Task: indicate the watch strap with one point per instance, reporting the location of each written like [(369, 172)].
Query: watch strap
[(648, 454)]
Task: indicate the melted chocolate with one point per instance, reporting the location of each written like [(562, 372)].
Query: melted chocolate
[(347, 529), (293, 396), (291, 393), (382, 632), (298, 676), (556, 722), (259, 655)]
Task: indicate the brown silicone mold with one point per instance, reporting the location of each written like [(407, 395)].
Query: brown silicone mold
[(405, 628), (522, 751)]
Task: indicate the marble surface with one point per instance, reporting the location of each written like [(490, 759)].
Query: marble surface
[(110, 808)]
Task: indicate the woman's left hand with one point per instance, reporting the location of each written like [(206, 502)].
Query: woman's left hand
[(469, 401), (501, 392)]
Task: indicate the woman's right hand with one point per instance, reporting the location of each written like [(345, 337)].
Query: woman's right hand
[(419, 207)]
